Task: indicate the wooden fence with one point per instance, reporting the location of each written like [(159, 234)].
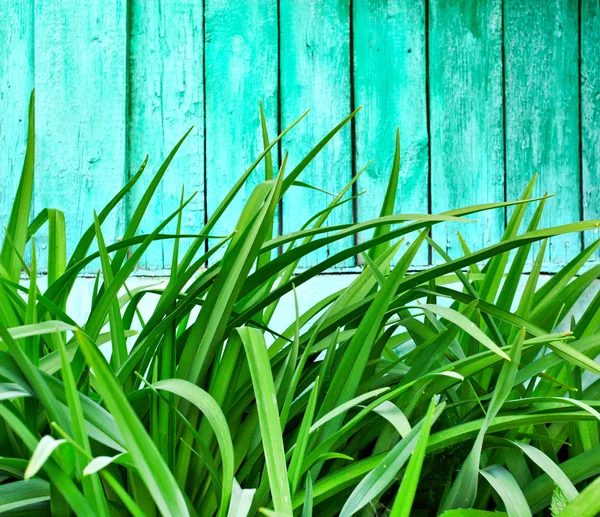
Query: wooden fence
[(485, 92)]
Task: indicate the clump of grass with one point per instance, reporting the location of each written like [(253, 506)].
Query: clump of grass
[(401, 394)]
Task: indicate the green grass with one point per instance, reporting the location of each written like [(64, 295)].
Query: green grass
[(405, 393)]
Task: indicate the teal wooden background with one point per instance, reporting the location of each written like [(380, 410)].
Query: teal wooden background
[(485, 93)]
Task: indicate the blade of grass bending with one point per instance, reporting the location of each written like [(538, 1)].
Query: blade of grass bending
[(465, 324), (508, 489), (386, 469), (412, 280), (389, 200), (211, 323), (268, 415), (302, 440), (44, 449), (150, 464), (216, 215), (88, 237), (34, 378), (349, 372), (207, 405), (549, 467), (319, 219), (142, 204), (18, 495), (497, 265), (410, 481), (129, 503), (464, 488), (92, 488), (19, 215), (241, 500), (117, 335), (59, 480)]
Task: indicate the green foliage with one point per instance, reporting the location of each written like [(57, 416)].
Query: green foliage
[(405, 393)]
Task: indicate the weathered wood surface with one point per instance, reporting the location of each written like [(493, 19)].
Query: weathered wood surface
[(542, 112), (485, 94), (166, 98), (590, 111), (466, 121), (80, 52), (390, 83)]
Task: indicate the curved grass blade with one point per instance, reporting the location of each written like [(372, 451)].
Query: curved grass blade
[(410, 481), (507, 488), (151, 467), (268, 415)]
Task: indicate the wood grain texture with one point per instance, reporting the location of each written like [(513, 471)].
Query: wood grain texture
[(315, 74), (241, 71), (542, 111), (467, 138), (118, 79), (590, 112), (80, 111), (166, 48), (16, 82), (389, 82)]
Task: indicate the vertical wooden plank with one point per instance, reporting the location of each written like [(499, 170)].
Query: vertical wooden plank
[(542, 111), (80, 110), (241, 70), (315, 74), (467, 139), (16, 83), (590, 111), (389, 82), (166, 83)]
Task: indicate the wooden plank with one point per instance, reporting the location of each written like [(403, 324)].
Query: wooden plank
[(315, 74), (16, 83), (590, 112), (389, 82), (542, 111), (467, 139), (80, 111), (166, 99), (241, 70)]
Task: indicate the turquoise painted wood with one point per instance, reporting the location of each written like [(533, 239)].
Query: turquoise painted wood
[(80, 66), (542, 111), (390, 83), (166, 98), (590, 111), (466, 121), (241, 70), (315, 73), (16, 80), (485, 94)]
